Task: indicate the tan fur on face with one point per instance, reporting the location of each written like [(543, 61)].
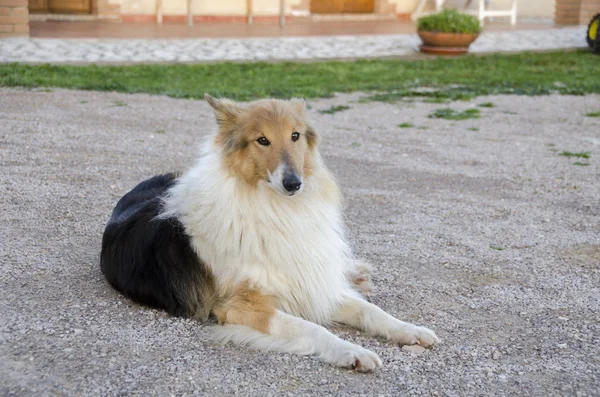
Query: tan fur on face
[(248, 307), (274, 119)]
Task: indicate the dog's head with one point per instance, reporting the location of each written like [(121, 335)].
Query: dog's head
[(268, 141)]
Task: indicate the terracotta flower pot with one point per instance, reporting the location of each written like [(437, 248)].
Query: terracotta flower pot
[(446, 43)]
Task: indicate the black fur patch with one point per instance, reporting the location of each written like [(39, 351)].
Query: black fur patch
[(151, 260)]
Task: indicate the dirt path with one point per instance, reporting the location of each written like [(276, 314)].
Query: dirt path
[(478, 229)]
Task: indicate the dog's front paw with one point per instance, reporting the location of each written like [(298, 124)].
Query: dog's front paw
[(426, 337), (360, 359), (415, 335), (366, 361)]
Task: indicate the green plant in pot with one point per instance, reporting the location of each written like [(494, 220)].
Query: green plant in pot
[(448, 32)]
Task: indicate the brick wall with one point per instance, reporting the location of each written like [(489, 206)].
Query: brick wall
[(14, 18), (575, 12), (589, 8)]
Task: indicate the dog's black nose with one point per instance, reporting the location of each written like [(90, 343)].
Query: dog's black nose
[(292, 182)]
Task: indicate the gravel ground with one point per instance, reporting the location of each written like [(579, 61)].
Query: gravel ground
[(487, 236)]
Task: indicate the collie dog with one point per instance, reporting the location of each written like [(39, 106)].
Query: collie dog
[(252, 234)]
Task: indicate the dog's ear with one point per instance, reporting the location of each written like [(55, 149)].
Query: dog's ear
[(312, 137), (225, 109), (227, 112), (299, 105)]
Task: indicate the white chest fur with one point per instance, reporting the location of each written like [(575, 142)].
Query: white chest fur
[(290, 247)]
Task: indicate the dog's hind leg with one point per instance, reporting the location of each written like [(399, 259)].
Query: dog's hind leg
[(249, 319), (360, 276), (361, 314)]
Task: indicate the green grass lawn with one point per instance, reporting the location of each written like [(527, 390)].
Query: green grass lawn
[(451, 114), (457, 78)]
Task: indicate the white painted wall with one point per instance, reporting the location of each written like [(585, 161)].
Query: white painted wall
[(526, 8), (204, 7)]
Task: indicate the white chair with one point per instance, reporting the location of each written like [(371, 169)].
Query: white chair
[(159, 12), (281, 12), (482, 12), (419, 11)]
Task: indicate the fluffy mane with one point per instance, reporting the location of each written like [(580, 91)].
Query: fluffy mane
[(291, 247)]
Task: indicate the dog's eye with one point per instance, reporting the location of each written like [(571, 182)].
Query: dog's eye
[(263, 141), (295, 136)]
